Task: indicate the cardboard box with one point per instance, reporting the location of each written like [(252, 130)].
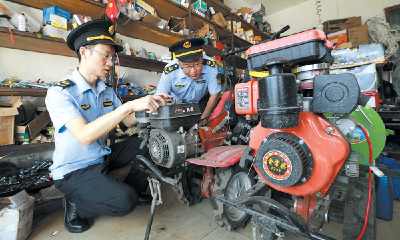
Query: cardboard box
[(28, 131), (341, 24), (344, 45), (242, 11), (336, 37), (142, 5), (366, 76), (200, 12), (53, 31), (219, 19), (57, 21), (16, 219), (118, 41), (258, 8), (175, 24), (153, 20), (358, 35), (199, 5), (361, 55), (57, 11), (8, 110)]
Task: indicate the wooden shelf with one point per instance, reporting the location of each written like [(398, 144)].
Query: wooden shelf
[(239, 42), (218, 6), (34, 92), (246, 26), (56, 46), (41, 92), (84, 7), (238, 62), (168, 8)]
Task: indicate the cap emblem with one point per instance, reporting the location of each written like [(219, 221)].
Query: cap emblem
[(187, 45), (111, 29)]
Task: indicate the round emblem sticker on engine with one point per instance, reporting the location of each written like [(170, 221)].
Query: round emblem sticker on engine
[(277, 165)]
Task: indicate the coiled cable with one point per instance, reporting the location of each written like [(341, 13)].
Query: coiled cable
[(379, 31)]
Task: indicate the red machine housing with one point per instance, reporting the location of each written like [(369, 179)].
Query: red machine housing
[(210, 140), (245, 92), (329, 150)]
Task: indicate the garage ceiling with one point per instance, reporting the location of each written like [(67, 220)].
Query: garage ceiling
[(272, 7)]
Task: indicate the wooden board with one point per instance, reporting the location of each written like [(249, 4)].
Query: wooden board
[(83, 7), (44, 44)]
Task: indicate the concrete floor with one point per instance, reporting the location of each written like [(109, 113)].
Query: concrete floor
[(174, 220)]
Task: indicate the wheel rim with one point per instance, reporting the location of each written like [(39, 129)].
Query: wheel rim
[(238, 185)]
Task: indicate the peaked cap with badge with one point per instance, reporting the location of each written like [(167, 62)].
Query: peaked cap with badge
[(93, 32), (187, 50)]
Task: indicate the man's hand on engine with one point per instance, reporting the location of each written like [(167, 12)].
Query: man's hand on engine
[(150, 103)]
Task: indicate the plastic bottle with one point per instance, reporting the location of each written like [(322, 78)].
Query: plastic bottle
[(22, 23), (384, 198)]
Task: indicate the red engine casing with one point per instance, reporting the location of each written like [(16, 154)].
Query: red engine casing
[(329, 151)]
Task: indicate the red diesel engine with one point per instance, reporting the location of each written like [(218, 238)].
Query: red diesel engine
[(297, 150)]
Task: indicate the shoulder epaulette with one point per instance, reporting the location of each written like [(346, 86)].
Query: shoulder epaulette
[(65, 83), (209, 63), (107, 84), (171, 68)]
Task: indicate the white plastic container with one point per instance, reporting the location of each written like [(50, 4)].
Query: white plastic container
[(22, 23)]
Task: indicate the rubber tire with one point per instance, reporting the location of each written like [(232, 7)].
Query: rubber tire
[(222, 181), (189, 193), (355, 207)]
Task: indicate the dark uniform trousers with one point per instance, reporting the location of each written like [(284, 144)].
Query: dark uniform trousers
[(95, 191)]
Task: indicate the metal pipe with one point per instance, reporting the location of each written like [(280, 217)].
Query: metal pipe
[(156, 170)]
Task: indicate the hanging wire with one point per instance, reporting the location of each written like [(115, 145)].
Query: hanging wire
[(379, 31), (318, 4)]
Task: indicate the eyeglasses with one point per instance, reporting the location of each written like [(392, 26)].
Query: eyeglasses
[(196, 66), (107, 57)]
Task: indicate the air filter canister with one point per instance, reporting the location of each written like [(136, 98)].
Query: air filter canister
[(278, 97)]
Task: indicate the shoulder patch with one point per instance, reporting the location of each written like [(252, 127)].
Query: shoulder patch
[(107, 84), (208, 63), (65, 83), (219, 78), (171, 68)]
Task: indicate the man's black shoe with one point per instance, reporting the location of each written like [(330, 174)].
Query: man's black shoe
[(72, 221), (145, 199)]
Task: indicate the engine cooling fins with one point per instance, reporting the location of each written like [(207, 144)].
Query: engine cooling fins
[(284, 160)]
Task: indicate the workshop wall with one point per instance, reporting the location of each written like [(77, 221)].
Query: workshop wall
[(236, 4), (50, 68), (304, 16)]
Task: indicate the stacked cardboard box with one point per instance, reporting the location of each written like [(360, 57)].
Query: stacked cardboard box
[(8, 109), (55, 21)]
